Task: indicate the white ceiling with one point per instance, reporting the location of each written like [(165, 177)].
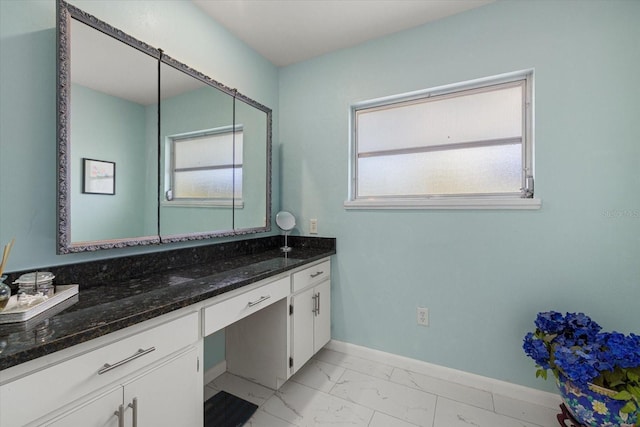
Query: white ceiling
[(106, 65), (290, 31), (283, 31)]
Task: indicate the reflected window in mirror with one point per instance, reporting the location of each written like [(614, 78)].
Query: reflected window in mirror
[(192, 113), (205, 167)]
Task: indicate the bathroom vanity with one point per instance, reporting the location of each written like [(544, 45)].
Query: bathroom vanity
[(131, 354)]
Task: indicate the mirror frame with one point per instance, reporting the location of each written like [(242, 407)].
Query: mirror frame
[(64, 13)]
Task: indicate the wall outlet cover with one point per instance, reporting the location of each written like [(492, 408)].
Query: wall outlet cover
[(422, 316)]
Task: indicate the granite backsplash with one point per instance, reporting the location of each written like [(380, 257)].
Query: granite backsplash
[(119, 269)]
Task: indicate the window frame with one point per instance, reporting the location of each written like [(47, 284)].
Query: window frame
[(170, 144), (523, 200)]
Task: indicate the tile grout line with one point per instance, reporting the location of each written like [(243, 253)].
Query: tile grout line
[(373, 378), (435, 411)]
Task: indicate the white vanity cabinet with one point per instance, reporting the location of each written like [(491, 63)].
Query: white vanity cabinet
[(311, 313), (165, 395), (241, 303), (98, 412), (153, 366), (149, 374), (270, 345)]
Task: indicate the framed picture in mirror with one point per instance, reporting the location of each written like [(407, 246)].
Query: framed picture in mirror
[(99, 177)]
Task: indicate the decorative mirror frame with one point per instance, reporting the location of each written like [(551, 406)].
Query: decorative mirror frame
[(64, 13)]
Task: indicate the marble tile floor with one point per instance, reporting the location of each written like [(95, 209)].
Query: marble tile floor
[(335, 389)]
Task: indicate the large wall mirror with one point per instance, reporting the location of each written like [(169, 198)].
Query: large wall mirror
[(151, 151)]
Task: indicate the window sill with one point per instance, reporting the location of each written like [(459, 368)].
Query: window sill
[(239, 204), (445, 204)]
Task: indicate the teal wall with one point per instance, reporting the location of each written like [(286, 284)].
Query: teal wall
[(104, 127), (483, 274)]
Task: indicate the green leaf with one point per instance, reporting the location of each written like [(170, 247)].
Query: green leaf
[(629, 408), (541, 373), (622, 395), (614, 378)]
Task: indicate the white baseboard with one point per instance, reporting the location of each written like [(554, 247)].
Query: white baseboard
[(215, 371), (491, 385)]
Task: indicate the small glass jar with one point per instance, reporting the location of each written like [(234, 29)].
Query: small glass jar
[(5, 293), (36, 282)]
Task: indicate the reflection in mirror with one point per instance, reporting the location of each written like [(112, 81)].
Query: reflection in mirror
[(166, 188), (109, 123), (197, 154), (252, 124), (110, 95)]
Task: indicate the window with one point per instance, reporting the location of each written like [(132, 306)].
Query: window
[(205, 167), (461, 146)]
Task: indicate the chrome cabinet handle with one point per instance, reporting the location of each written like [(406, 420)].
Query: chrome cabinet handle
[(318, 302), (315, 304), (314, 275), (120, 414), (107, 367), (259, 300), (134, 406)]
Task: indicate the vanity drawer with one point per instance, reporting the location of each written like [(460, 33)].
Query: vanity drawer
[(224, 313), (61, 384), (311, 275)]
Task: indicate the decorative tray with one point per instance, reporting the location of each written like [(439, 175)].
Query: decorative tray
[(13, 313)]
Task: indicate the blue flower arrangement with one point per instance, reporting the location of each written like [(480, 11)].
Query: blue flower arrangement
[(574, 348)]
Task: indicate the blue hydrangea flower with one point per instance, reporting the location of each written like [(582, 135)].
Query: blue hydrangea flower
[(536, 349), (550, 322), (620, 350), (578, 364), (581, 328), (573, 345)]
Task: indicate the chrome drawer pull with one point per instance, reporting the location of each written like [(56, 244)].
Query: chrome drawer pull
[(259, 300), (139, 353), (134, 406), (314, 275), (120, 414)]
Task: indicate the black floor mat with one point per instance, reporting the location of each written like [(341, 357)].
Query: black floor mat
[(227, 410)]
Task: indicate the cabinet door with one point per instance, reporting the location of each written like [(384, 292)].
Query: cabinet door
[(302, 327), (99, 412), (322, 320), (169, 395)]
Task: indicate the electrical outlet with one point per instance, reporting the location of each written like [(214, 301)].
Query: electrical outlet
[(423, 316), (313, 226)]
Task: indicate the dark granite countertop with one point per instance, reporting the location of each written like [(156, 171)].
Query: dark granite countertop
[(102, 308)]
